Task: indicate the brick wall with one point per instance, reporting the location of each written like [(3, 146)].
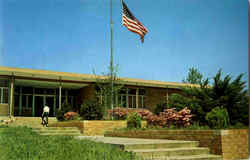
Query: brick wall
[(234, 144), (99, 127), (231, 144), (94, 127), (156, 96), (77, 124), (86, 93)]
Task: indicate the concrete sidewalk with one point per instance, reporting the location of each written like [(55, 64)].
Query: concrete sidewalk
[(127, 141)]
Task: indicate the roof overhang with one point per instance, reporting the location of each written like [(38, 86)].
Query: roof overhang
[(45, 78), (48, 84)]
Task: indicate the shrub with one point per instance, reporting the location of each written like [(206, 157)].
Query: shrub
[(171, 117), (71, 116), (91, 110), (118, 113), (134, 120), (160, 108), (239, 126), (218, 118), (60, 115), (181, 118), (198, 107), (122, 113), (60, 112), (155, 120), (144, 113)]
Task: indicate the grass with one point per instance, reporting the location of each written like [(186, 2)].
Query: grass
[(21, 143)]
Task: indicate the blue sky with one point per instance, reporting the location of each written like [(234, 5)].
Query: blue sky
[(74, 36)]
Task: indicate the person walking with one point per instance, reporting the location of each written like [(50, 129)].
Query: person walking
[(45, 115)]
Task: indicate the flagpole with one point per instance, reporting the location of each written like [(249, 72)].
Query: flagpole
[(111, 57)]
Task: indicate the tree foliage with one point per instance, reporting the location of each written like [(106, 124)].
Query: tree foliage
[(194, 76), (227, 93), (91, 110), (104, 88), (218, 118)]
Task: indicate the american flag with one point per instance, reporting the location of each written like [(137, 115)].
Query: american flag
[(129, 21)]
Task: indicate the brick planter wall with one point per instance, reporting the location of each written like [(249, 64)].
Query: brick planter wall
[(94, 127), (231, 144), (234, 144), (99, 127), (77, 124)]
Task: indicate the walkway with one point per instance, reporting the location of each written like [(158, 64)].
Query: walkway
[(128, 141)]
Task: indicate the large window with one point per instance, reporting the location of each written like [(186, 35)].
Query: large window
[(136, 98), (4, 95), (131, 98), (4, 91)]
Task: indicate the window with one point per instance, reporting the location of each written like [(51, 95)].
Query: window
[(27, 90), (130, 100), (4, 95), (4, 83)]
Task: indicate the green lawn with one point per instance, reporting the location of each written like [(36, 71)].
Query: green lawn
[(21, 143)]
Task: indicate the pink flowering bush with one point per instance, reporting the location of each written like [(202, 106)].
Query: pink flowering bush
[(118, 113), (155, 120), (164, 119), (122, 113), (144, 113), (71, 116), (171, 117)]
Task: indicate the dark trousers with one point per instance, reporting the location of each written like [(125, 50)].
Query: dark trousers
[(45, 115)]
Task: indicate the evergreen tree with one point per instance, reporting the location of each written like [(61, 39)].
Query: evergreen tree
[(227, 93), (194, 76)]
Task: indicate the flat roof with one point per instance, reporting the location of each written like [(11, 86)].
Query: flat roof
[(23, 74)]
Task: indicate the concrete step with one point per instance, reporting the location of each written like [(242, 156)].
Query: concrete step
[(171, 144), (57, 131), (70, 131), (192, 157), (170, 151), (55, 128), (33, 124), (61, 134)]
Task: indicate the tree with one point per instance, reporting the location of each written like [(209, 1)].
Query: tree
[(194, 76), (232, 95), (104, 90), (227, 93)]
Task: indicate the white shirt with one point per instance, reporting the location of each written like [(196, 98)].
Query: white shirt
[(46, 109)]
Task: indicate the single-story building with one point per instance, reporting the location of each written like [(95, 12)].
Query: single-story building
[(24, 92)]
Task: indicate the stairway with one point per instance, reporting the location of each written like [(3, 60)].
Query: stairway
[(32, 122), (58, 131), (158, 149), (35, 124), (172, 150)]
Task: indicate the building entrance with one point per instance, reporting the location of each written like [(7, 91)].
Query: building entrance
[(41, 101), (29, 101)]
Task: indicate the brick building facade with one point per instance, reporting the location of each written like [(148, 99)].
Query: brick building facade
[(24, 92)]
